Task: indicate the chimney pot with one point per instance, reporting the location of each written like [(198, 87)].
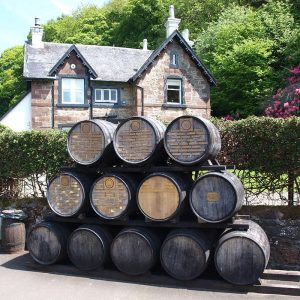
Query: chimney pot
[(37, 21), (172, 23), (171, 11), (37, 34), (145, 44)]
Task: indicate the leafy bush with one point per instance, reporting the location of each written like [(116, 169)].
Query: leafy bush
[(32, 155), (266, 153)]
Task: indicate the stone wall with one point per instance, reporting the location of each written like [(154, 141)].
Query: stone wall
[(196, 87), (282, 226)]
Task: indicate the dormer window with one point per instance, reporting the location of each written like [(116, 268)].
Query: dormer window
[(173, 59)]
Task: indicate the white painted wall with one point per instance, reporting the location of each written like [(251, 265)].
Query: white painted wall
[(19, 118)]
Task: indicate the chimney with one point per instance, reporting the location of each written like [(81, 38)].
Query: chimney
[(145, 44), (185, 34), (37, 34), (172, 23)]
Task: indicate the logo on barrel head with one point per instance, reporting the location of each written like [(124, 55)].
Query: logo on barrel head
[(135, 125), (109, 183), (85, 127), (65, 180), (186, 124), (213, 196)]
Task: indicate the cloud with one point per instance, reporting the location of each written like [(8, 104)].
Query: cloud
[(62, 7)]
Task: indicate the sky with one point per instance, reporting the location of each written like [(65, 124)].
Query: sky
[(17, 16)]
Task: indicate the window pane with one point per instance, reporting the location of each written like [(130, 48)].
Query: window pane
[(79, 98), (174, 82), (66, 96), (66, 83), (106, 95), (97, 95), (173, 96), (114, 95)]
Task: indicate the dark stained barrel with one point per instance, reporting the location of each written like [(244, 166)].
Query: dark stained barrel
[(160, 196), (192, 140), (134, 251), (68, 193), (13, 235), (89, 247), (242, 256), (90, 141), (139, 140), (184, 254), (113, 195), (47, 242), (216, 196)]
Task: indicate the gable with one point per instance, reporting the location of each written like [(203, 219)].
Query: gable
[(175, 36)]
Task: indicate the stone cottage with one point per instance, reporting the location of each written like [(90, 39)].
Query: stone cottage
[(69, 83)]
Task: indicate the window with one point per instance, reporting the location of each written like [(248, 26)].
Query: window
[(173, 59), (72, 91), (106, 95), (174, 89)]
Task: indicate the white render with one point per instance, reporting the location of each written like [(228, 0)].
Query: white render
[(19, 118), (37, 34), (172, 22), (186, 35)]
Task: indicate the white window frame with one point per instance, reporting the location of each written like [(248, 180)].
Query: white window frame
[(102, 90), (73, 91), (172, 89)]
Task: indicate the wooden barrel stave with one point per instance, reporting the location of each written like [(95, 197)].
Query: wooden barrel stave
[(242, 256), (90, 142), (192, 140), (185, 253), (216, 196), (139, 141), (68, 193), (160, 196), (88, 247), (47, 242), (13, 235), (135, 251), (112, 195)]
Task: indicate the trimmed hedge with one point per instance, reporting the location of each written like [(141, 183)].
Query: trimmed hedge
[(266, 152), (28, 153)]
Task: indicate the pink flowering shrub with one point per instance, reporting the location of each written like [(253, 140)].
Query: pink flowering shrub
[(286, 102)]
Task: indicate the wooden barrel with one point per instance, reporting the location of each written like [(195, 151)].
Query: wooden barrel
[(47, 242), (242, 256), (88, 247), (184, 254), (192, 140), (139, 140), (68, 193), (112, 196), (13, 235), (216, 196), (134, 251), (90, 141), (160, 196)]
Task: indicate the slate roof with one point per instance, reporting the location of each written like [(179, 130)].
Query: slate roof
[(110, 63), (103, 62)]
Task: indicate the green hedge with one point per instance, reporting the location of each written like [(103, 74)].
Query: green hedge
[(261, 144), (32, 153), (266, 152)]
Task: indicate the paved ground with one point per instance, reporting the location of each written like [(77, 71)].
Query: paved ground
[(19, 281)]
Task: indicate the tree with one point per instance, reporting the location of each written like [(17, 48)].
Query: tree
[(12, 84), (245, 50)]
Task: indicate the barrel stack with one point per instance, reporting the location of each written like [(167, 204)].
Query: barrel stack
[(143, 197)]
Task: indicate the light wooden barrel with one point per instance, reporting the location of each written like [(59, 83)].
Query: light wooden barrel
[(242, 256), (184, 254), (68, 193), (90, 141), (112, 196), (160, 196), (47, 242), (138, 140), (88, 247), (216, 196), (13, 235), (192, 140), (134, 251)]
